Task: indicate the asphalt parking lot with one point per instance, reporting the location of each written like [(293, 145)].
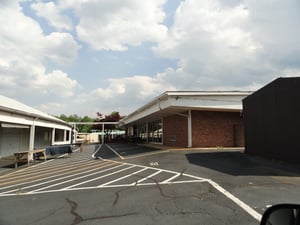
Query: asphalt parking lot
[(129, 184)]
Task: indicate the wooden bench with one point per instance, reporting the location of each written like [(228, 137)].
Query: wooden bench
[(21, 156)]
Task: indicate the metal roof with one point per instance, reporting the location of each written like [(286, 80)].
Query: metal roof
[(11, 105)]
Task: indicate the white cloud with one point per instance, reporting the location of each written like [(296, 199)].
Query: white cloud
[(115, 25), (52, 14), (122, 94), (274, 24), (210, 41), (24, 50), (52, 108), (291, 72), (232, 44), (138, 87), (55, 83), (61, 48), (220, 45)]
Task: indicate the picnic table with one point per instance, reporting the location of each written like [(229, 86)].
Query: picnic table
[(25, 155)]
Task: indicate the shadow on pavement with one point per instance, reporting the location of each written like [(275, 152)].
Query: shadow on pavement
[(132, 149), (8, 163), (240, 164)]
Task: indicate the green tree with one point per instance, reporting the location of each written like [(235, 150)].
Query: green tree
[(108, 128), (82, 128)]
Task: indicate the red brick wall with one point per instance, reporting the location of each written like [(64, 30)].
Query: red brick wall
[(175, 132), (211, 129)]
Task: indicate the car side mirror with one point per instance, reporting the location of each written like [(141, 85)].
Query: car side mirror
[(282, 214)]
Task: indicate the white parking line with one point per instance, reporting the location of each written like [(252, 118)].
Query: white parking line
[(49, 181), (53, 176), (48, 169), (121, 178), (77, 178), (145, 178), (97, 178), (237, 201), (109, 184), (171, 178)]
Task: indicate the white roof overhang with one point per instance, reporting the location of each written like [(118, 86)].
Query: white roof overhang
[(172, 103), (14, 111)]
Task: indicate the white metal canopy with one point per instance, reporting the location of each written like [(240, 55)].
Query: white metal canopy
[(95, 123)]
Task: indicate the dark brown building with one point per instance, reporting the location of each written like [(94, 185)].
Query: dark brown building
[(272, 121)]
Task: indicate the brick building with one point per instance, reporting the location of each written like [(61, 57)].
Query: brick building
[(189, 119)]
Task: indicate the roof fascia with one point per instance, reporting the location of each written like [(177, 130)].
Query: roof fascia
[(174, 98), (34, 115)]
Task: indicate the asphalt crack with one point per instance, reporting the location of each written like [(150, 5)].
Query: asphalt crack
[(74, 206), (78, 219), (117, 193)]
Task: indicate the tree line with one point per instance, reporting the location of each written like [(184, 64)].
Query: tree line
[(85, 128)]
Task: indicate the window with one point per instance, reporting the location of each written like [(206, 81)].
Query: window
[(67, 135), (155, 131), (59, 135), (142, 129)]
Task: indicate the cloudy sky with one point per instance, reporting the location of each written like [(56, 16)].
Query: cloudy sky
[(87, 56)]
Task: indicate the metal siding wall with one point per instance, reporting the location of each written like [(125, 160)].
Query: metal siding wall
[(272, 122), (13, 140)]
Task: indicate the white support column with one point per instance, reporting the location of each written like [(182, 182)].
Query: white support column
[(74, 134), (190, 138), (53, 136), (65, 135), (31, 139), (102, 141)]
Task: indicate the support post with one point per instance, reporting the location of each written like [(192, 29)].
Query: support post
[(53, 136), (102, 141), (190, 138), (147, 132), (31, 139)]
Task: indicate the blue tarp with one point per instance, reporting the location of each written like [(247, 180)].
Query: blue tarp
[(58, 149)]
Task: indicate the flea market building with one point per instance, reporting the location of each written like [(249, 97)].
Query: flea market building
[(190, 119), (24, 128)]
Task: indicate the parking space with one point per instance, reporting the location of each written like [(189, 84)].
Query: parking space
[(183, 185), (81, 172)]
